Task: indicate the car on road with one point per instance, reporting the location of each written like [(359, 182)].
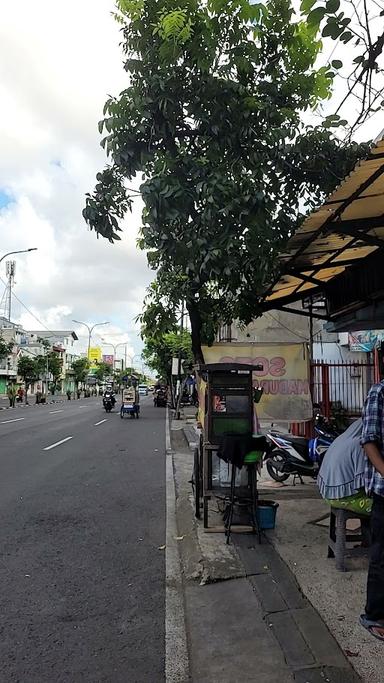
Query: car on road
[(143, 390)]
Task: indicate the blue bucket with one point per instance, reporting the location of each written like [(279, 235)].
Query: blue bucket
[(266, 513)]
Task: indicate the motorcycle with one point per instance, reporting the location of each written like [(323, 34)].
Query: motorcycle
[(108, 402), (160, 398), (288, 455)]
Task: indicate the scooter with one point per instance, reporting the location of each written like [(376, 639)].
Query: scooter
[(288, 455)]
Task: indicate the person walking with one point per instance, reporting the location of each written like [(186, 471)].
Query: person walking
[(68, 394), (372, 440)]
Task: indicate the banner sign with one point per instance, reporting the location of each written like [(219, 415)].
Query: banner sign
[(366, 341), (108, 359), (284, 378), (94, 356)]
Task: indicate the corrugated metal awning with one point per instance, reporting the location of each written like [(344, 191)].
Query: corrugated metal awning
[(348, 227)]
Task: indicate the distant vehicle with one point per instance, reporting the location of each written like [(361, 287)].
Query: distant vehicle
[(143, 390)]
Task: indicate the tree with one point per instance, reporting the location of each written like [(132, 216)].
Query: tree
[(5, 347), (55, 368), (28, 368), (102, 371), (80, 368), (160, 349), (213, 120)]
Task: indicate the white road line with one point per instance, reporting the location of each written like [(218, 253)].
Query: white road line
[(53, 412), (176, 652), (17, 419), (100, 423), (80, 407), (53, 445)]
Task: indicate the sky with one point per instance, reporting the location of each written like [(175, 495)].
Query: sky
[(58, 64)]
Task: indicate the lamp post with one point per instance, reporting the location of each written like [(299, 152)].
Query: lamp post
[(90, 330), (115, 346), (21, 251)]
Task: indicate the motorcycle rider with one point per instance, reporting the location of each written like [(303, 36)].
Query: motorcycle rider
[(110, 393)]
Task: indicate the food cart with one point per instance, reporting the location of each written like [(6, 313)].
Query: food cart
[(226, 409), (130, 402)]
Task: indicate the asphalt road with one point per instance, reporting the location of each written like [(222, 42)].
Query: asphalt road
[(82, 589)]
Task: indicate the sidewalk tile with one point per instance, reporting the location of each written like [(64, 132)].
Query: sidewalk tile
[(319, 639), (268, 593), (292, 643), (326, 675)]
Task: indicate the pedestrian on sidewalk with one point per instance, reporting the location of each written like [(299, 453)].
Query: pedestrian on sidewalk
[(372, 440), (69, 394), (11, 393)]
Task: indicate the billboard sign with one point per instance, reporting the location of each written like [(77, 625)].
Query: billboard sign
[(284, 377), (94, 356)]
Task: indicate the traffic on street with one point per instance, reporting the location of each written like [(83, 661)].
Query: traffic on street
[(82, 509)]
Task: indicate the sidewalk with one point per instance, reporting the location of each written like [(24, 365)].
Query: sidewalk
[(56, 398), (246, 617)]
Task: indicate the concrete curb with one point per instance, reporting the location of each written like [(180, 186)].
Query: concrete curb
[(176, 650)]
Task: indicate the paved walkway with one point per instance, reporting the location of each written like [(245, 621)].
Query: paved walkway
[(246, 617)]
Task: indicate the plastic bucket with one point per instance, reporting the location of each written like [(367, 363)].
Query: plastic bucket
[(266, 513)]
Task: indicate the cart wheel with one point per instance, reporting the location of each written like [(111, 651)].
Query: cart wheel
[(196, 487)]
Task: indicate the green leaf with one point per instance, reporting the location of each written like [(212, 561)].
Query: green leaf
[(336, 64), (332, 5), (316, 16), (346, 37), (306, 5)]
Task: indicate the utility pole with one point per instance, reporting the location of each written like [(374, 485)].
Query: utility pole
[(178, 400), (10, 271)]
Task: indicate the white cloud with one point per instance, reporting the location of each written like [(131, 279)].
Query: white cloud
[(58, 63)]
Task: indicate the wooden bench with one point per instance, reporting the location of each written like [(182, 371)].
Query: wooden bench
[(339, 536)]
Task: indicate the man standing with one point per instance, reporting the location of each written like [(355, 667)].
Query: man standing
[(11, 392), (372, 440)]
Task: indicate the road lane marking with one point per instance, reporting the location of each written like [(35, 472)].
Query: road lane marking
[(52, 412), (17, 419), (80, 407), (100, 423), (58, 443)]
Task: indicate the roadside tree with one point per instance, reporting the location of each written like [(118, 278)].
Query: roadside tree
[(80, 368), (5, 347), (29, 370), (102, 371), (212, 118)]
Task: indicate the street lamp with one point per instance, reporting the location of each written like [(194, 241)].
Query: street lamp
[(22, 251), (115, 346), (90, 330)]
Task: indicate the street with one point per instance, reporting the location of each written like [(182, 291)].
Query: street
[(82, 523)]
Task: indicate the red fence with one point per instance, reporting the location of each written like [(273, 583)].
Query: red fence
[(341, 385)]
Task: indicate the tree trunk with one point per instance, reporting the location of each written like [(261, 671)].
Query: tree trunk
[(195, 318)]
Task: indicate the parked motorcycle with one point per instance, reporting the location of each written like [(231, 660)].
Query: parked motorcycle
[(288, 455)]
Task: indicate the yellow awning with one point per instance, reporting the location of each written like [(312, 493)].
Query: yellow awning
[(348, 227)]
